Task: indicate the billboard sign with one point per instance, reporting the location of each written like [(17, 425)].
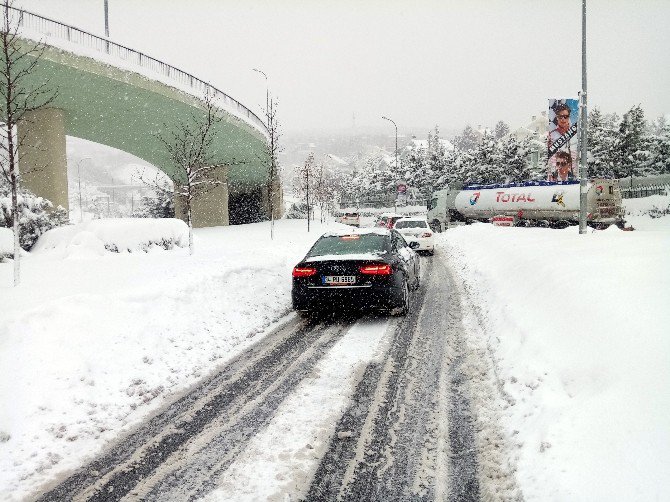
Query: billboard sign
[(562, 139)]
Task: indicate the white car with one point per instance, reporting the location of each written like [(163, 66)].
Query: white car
[(417, 229), (353, 219)]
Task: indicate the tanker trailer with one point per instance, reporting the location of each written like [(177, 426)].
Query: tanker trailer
[(543, 203)]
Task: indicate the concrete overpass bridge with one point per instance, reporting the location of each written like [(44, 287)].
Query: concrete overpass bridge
[(116, 96)]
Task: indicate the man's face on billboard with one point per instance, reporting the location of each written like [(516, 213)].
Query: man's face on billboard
[(563, 120)]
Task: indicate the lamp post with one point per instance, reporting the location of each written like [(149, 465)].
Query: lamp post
[(583, 170), (106, 19), (81, 211), (267, 91), (106, 26), (396, 155)]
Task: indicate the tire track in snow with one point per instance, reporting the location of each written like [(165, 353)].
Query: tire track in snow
[(244, 380), (410, 421)]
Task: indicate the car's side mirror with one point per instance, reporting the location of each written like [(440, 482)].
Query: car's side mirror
[(414, 245)]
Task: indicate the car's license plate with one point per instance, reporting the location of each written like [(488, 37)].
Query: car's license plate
[(339, 280)]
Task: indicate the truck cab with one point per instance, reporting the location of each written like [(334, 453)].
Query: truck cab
[(441, 208)]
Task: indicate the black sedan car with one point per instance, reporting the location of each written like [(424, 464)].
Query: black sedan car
[(371, 268)]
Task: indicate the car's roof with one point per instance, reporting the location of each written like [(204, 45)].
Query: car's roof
[(357, 231), (390, 215)]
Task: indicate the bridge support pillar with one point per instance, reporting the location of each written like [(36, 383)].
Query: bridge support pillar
[(42, 158), (208, 209), (275, 191)]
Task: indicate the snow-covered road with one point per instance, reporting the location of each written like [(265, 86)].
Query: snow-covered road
[(345, 408)]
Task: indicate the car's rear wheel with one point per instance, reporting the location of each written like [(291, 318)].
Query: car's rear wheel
[(403, 309)]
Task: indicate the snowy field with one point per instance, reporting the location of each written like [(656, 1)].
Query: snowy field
[(93, 341)]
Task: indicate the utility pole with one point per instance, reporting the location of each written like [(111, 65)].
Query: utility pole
[(106, 27), (307, 194), (583, 169), (395, 193), (106, 19)]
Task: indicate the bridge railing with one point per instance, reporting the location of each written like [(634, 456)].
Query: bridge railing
[(51, 28)]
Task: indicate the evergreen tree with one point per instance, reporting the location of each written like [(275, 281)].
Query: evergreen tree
[(634, 144), (501, 129), (416, 168), (603, 140), (468, 139), (514, 160), (161, 205), (659, 160), (486, 161)]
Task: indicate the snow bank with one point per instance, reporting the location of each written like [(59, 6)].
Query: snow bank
[(644, 205), (116, 235), (6, 242), (578, 327)]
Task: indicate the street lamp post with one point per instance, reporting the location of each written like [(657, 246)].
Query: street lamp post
[(106, 19), (107, 26), (583, 169), (396, 155), (267, 91), (81, 211)]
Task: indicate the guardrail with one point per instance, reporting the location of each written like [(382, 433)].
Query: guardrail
[(644, 191), (49, 27)]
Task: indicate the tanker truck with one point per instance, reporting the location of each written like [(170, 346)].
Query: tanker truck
[(533, 203)]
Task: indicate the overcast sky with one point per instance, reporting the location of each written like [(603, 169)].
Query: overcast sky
[(421, 63)]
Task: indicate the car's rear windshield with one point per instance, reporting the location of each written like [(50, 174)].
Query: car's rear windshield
[(350, 244), (411, 224), (351, 215)]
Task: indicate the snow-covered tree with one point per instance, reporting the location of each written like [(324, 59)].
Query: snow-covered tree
[(160, 205), (19, 95), (634, 144), (35, 215), (189, 146), (514, 160), (467, 140), (603, 140), (659, 160), (270, 157), (303, 185), (500, 130)]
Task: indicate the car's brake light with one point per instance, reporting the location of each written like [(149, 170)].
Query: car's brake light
[(303, 271), (426, 234), (376, 269)]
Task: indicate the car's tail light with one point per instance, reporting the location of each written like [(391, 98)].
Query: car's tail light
[(426, 234), (376, 269), (303, 271)]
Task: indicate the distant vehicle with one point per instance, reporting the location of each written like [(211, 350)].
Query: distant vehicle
[(353, 219), (370, 268), (441, 208), (387, 220), (417, 229), (537, 203)]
